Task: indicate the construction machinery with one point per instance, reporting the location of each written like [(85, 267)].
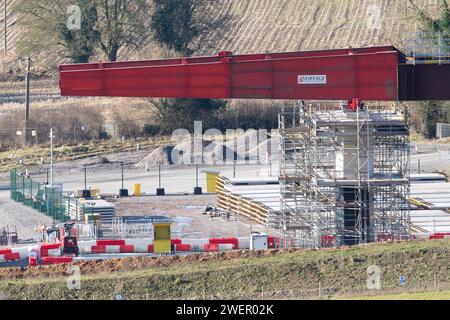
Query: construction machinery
[(69, 243), (8, 237), (65, 235)]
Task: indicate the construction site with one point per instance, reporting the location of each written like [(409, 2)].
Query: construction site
[(340, 173), (343, 177)]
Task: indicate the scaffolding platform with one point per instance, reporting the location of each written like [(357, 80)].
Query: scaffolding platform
[(344, 173)]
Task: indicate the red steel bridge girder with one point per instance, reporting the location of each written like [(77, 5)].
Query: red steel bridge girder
[(377, 73)]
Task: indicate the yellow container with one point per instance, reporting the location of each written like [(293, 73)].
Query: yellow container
[(161, 238), (211, 181), (137, 190)]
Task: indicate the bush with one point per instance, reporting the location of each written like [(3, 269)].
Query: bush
[(429, 114), (72, 124), (172, 114), (250, 114), (151, 130), (126, 126)]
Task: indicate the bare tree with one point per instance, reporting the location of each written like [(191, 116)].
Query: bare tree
[(45, 33), (185, 26), (123, 23), (106, 26), (439, 25)]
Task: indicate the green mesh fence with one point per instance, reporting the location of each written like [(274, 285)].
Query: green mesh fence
[(45, 199)]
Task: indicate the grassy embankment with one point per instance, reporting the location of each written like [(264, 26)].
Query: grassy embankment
[(325, 274), (32, 155)]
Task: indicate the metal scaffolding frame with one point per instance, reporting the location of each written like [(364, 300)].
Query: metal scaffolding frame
[(344, 175)]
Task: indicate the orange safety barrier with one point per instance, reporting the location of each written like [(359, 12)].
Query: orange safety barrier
[(49, 249), (127, 249), (271, 242), (98, 249), (211, 247), (11, 256), (56, 260), (182, 247), (5, 251), (110, 242)]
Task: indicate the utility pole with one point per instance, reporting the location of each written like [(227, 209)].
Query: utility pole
[(121, 166), (5, 20), (197, 190), (27, 98), (51, 157)]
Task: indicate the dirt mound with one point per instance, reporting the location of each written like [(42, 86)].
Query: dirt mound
[(160, 156), (173, 154), (130, 263), (212, 152)]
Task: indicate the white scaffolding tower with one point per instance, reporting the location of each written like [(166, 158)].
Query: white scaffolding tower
[(344, 175)]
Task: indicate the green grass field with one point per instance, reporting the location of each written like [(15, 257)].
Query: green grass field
[(443, 295), (310, 274)]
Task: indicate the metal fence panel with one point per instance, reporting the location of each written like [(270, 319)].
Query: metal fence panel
[(442, 130), (45, 199)]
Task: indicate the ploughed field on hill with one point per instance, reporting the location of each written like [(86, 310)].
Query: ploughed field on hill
[(255, 26), (291, 25)]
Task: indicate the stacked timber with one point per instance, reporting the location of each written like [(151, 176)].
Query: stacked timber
[(256, 199)]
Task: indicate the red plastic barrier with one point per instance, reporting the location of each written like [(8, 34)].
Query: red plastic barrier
[(182, 247), (49, 246), (98, 249), (127, 249), (46, 247), (5, 251), (56, 260), (150, 248), (277, 242), (33, 261), (12, 256), (439, 235), (327, 240), (233, 241), (271, 242), (211, 247), (110, 242), (175, 241)]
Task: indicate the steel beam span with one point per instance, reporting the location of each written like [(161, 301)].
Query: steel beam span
[(376, 73)]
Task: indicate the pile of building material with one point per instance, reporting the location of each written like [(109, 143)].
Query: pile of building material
[(259, 200), (427, 177), (82, 209), (430, 204), (430, 221), (431, 195), (256, 199)]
